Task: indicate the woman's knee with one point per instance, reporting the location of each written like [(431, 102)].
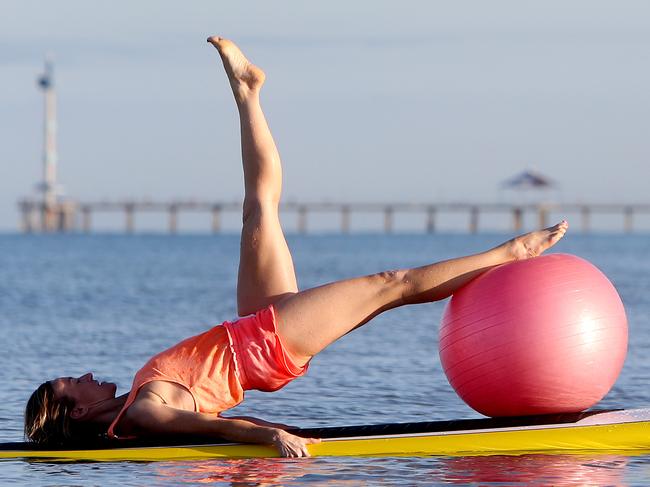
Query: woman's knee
[(254, 208)]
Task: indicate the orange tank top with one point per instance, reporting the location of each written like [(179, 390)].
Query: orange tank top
[(202, 364)]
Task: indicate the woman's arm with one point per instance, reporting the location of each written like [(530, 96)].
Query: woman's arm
[(151, 417), (261, 422)]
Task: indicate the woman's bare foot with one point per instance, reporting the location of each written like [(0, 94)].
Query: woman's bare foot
[(534, 243), (245, 78)]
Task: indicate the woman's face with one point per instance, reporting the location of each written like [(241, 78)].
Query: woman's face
[(84, 390)]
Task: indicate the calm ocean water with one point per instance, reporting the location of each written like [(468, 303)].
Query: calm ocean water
[(106, 303)]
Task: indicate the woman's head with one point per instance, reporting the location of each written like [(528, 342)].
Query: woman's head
[(62, 409)]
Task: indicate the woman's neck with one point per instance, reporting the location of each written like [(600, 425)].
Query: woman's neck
[(104, 413)]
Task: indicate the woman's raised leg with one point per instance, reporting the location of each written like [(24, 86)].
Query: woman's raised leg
[(266, 272), (311, 320)]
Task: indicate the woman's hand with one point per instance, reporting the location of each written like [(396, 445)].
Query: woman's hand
[(291, 445)]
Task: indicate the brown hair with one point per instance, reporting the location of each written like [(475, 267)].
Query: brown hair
[(48, 421)]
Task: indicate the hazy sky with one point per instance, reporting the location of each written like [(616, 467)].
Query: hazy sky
[(368, 100)]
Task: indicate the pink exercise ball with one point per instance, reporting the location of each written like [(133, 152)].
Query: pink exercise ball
[(538, 336)]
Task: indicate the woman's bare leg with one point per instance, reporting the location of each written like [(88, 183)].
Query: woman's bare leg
[(311, 320), (266, 272)]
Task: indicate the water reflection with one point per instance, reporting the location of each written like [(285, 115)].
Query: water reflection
[(338, 471), (535, 470), (566, 470), (234, 472)]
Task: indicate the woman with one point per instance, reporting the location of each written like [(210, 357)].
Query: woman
[(184, 389)]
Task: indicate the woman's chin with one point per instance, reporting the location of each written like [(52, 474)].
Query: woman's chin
[(110, 386)]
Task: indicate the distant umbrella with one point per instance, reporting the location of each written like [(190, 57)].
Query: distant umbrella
[(528, 180)]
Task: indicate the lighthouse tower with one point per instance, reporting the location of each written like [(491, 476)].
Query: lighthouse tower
[(56, 214), (47, 187)]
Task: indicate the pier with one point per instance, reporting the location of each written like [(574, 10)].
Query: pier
[(51, 212), (70, 216)]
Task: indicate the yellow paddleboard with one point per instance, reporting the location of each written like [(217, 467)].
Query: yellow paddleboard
[(623, 431)]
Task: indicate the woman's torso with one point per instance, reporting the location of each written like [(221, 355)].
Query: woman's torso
[(198, 374)]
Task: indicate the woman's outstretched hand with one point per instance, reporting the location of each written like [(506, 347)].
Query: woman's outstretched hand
[(291, 445)]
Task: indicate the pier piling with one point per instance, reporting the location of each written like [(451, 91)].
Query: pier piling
[(431, 219), (473, 219), (87, 218), (130, 222), (388, 219), (345, 219), (173, 218), (517, 219), (542, 216), (216, 218), (302, 219)]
